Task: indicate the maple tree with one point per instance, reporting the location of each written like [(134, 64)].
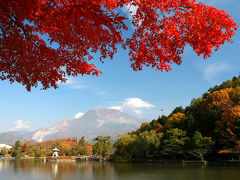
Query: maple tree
[(43, 41)]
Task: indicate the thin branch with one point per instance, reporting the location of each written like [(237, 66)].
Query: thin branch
[(162, 12), (127, 10), (1, 29), (15, 22), (180, 8), (19, 25)]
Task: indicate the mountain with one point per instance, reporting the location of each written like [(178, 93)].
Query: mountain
[(11, 137), (104, 122), (18, 133)]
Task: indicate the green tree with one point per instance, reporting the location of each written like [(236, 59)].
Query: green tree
[(189, 124), (82, 146), (17, 151), (173, 143), (147, 144), (82, 141), (30, 151), (124, 146), (103, 145), (162, 120), (236, 129), (178, 109), (64, 147), (4, 151), (145, 127), (201, 145)]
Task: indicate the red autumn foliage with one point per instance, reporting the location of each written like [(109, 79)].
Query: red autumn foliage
[(50, 143), (89, 150), (80, 28)]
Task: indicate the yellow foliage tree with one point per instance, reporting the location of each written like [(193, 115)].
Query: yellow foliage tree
[(158, 127), (219, 98), (228, 121), (174, 120)]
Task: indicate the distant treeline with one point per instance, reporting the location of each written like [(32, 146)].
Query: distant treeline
[(67, 147), (101, 146)]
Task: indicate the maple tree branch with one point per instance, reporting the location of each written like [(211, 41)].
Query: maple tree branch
[(184, 10), (83, 27), (127, 10), (2, 34), (162, 12), (180, 8), (19, 25), (16, 23), (1, 28)]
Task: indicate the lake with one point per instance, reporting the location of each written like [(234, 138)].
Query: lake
[(37, 169)]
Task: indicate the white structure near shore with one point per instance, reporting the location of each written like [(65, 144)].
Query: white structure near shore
[(5, 145), (55, 152)]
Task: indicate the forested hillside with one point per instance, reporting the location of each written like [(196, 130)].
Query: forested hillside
[(209, 128)]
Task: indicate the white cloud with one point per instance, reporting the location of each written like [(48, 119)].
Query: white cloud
[(210, 71), (133, 104), (130, 10), (70, 81), (78, 115), (19, 125), (119, 108), (123, 120), (74, 83)]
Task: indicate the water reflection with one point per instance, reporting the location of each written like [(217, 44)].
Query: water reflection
[(4, 164), (38, 169)]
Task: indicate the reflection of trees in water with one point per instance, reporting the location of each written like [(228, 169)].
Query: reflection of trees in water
[(4, 164), (16, 165), (54, 169), (59, 170), (139, 170), (66, 170), (103, 170), (39, 169), (96, 170), (10, 164), (78, 170)]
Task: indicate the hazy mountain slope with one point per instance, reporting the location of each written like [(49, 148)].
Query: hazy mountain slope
[(11, 137), (105, 122)]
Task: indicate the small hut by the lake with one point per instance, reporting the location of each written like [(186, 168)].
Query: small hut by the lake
[(55, 152)]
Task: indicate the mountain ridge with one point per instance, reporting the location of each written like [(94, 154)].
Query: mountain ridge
[(91, 124), (95, 122)]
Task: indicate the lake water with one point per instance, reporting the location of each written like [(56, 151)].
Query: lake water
[(37, 169)]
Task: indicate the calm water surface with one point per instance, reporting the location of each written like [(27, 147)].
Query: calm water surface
[(37, 169)]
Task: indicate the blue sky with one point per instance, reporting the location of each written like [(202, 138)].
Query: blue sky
[(142, 94)]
